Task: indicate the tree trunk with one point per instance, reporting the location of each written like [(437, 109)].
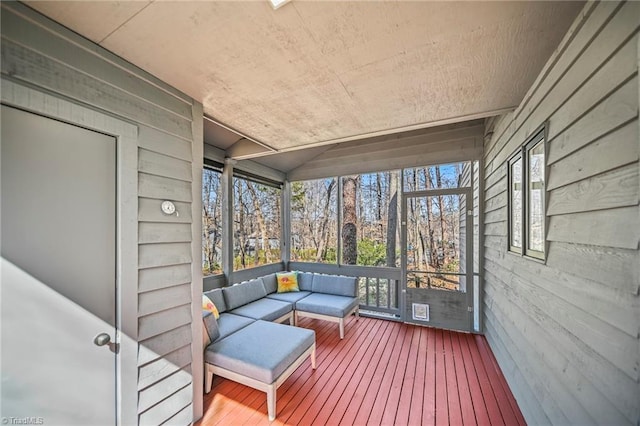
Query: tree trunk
[(392, 220), (433, 251), (241, 230), (262, 226), (441, 206), (416, 213), (349, 220)]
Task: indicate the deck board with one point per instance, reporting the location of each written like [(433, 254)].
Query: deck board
[(381, 373)]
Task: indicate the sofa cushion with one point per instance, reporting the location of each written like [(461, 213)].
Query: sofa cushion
[(291, 297), (270, 283), (305, 281), (211, 325), (217, 298), (243, 293), (230, 323), (262, 350), (327, 304), (287, 281), (264, 309), (335, 284)]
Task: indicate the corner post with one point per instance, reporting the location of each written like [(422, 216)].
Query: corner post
[(227, 219)]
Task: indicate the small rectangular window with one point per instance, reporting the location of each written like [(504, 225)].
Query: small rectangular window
[(535, 199), (515, 204), (526, 177)]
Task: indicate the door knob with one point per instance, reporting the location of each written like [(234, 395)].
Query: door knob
[(102, 339)]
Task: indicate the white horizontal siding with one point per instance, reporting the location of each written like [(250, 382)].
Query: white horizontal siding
[(565, 332), (50, 57)]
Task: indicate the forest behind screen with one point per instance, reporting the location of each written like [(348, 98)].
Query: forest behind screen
[(370, 220)]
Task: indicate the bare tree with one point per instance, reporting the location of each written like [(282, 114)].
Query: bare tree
[(442, 213), (392, 220), (262, 226), (324, 226), (433, 251), (349, 220), (211, 217), (240, 232)]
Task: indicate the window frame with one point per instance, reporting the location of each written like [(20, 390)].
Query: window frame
[(216, 167), (522, 153), (512, 248), (258, 180)]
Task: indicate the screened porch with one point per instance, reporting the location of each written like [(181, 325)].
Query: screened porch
[(473, 165)]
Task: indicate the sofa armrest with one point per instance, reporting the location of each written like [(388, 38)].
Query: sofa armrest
[(210, 328)]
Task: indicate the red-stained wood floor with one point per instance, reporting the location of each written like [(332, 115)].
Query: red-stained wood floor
[(382, 373)]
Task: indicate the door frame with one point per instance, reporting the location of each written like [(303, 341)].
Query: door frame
[(469, 252), (45, 104)]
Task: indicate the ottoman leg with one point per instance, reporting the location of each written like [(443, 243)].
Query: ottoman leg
[(313, 357), (271, 401), (341, 322), (208, 378)]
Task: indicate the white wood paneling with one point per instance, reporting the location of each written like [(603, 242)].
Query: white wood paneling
[(77, 81), (566, 331), (161, 165), (617, 188), (164, 276), (182, 417), (160, 413), (163, 367), (616, 268), (163, 188), (69, 51), (155, 301), (614, 150), (35, 68), (601, 228), (153, 255), (546, 99), (160, 322), (163, 389), (160, 345), (163, 143), (154, 232)]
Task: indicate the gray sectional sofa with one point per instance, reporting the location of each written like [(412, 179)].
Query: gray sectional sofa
[(248, 345)]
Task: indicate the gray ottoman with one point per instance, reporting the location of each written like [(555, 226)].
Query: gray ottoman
[(261, 355)]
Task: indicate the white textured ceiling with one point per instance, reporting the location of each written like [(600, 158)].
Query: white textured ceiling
[(314, 73)]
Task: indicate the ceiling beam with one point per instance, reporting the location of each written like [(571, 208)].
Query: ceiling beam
[(266, 147), (419, 126)]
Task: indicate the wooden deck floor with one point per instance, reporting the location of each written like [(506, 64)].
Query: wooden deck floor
[(382, 373)]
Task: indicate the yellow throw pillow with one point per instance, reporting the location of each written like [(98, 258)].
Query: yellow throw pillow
[(287, 281), (207, 305)]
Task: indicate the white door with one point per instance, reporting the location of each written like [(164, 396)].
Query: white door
[(58, 285)]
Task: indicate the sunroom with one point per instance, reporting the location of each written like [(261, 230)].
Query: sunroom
[(474, 165)]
